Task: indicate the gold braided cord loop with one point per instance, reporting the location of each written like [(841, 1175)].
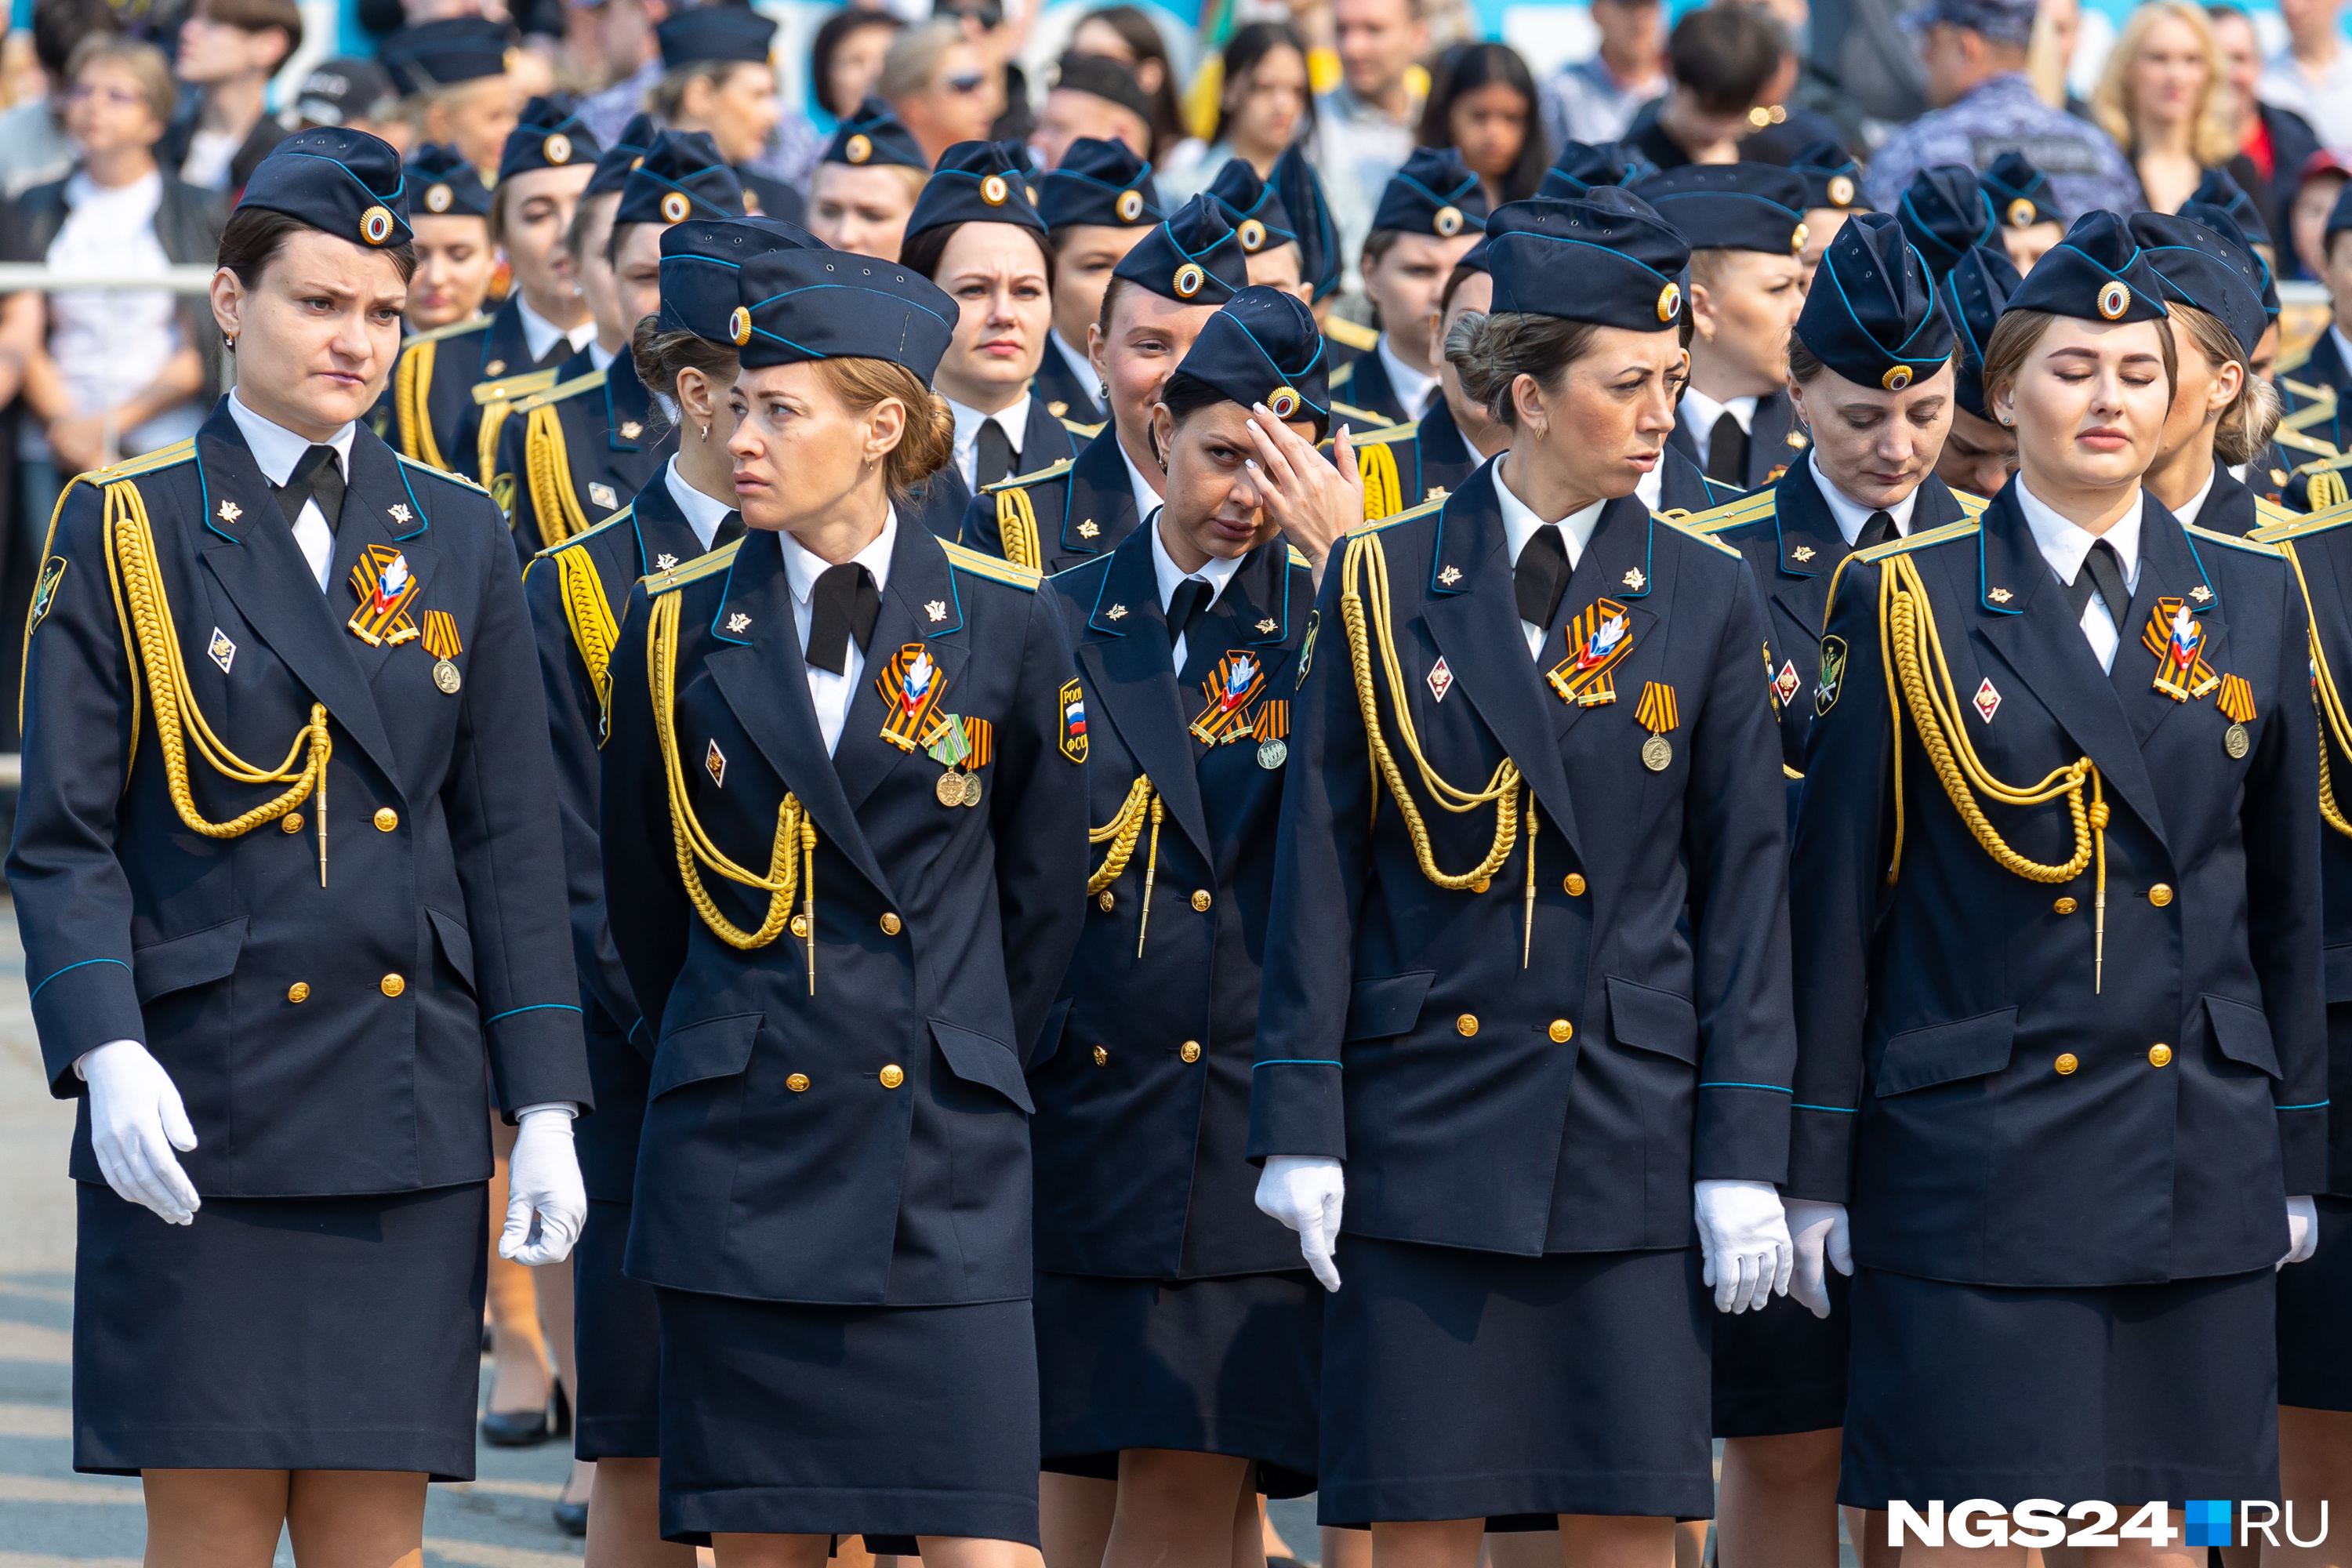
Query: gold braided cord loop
[(1383, 490), (150, 641), (593, 630), (1121, 833), (1365, 577), (2333, 719), (2327, 489), (795, 850), (486, 440), (547, 464), (412, 379), (1016, 529)]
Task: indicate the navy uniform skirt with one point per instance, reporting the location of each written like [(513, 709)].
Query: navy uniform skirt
[(1203, 1366), (616, 1345), (2125, 1393), (2314, 1358), (783, 1418), (340, 1333), (1781, 1369), (1458, 1385)]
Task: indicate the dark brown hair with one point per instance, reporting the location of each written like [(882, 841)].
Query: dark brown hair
[(1723, 56), (257, 16), (923, 250), (1804, 365), (253, 236), (1490, 349), (660, 356), (1464, 69)]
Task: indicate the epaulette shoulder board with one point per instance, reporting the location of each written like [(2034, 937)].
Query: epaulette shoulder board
[(1967, 528), (620, 517), (709, 564), (1349, 412), (1083, 432), (1343, 375), (1298, 557), (1410, 514), (1351, 335), (1731, 514), (2314, 411), (993, 568), (2327, 463), (2296, 527), (560, 390), (2294, 440), (1684, 526), (508, 388), (1971, 505), (454, 329), (178, 452), (2272, 515), (2250, 545), (2295, 359), (1054, 471), (1393, 433), (460, 480)]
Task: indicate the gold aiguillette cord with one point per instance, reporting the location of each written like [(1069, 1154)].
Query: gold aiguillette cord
[(1527, 933)]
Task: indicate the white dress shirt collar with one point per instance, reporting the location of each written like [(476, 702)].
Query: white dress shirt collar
[(1012, 420), (2343, 343), (1412, 386), (832, 694), (275, 449), (1519, 525), (539, 334), (1147, 497), (1216, 573), (704, 513), (2064, 546), (1700, 413), (601, 357), (2187, 512), (1076, 359), (1850, 513)]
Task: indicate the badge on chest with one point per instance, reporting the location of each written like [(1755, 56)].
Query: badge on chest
[(385, 586)]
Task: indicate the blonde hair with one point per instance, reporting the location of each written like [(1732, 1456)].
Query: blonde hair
[(2210, 141), (145, 63), (2247, 425), (928, 440), (914, 57)]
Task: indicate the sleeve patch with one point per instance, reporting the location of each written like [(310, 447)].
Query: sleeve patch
[(53, 572), (1074, 721)]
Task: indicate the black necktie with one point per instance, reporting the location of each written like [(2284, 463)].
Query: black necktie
[(1190, 603), (845, 606), (319, 477), (1540, 577), (730, 530), (1876, 529), (995, 454), (2102, 568), (1726, 452)]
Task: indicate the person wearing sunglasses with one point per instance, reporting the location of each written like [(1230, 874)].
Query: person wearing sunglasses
[(936, 81)]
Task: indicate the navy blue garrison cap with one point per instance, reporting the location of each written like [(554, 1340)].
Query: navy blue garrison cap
[(1435, 194), (1262, 346), (978, 182), (682, 177), (1254, 208), (1872, 314), (342, 182), (1945, 212), (2220, 190), (714, 32), (1732, 206), (1582, 165), (617, 162), (1975, 294), (444, 185), (1833, 179), (443, 54), (1605, 257), (2020, 192), (2222, 223), (549, 136), (1320, 257), (799, 305), (1099, 183), (701, 265), (873, 135), (2216, 274), (2097, 273), (1194, 257)]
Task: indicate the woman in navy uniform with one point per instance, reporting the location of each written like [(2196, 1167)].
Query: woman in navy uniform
[(2059, 982), (1157, 302), (1431, 213), (1097, 204), (844, 860), (275, 982), (864, 186), (1979, 453), (1263, 224), (1522, 1330), (1178, 1335)]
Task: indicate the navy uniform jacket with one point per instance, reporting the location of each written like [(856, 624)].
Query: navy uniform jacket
[(2233, 507), (437, 413), (2315, 387), (869, 1143), (1792, 544), (1066, 395), (1369, 391), (1774, 442), (1934, 1092), (1345, 343), (1683, 488), (944, 498), (1565, 1105), (1083, 506), (325, 1040), (612, 450), (1140, 1149), (575, 593)]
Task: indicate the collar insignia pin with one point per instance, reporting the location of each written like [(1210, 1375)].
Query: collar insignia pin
[(665, 562), (2201, 593), (400, 513), (1449, 576), (1634, 579), (631, 430), (1269, 626), (937, 609), (1088, 530), (1115, 612), (737, 622), (1802, 552), (230, 511), (1999, 596)]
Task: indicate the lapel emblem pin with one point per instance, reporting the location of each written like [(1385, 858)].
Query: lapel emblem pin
[(665, 561), (1802, 552), (2201, 593), (1785, 684), (1115, 612), (631, 430), (1440, 680), (1999, 595), (399, 514), (1088, 530), (737, 622), (715, 762), (1987, 700), (604, 495), (1449, 576), (1634, 579), (230, 511), (1269, 626), (495, 368), (224, 651), (937, 609)]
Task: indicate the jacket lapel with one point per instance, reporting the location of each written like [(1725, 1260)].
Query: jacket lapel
[(2168, 568), (1045, 439), (1125, 655), (628, 406), (1769, 445), (1811, 547), (400, 524), (919, 575), (1100, 497), (1616, 564), (664, 538)]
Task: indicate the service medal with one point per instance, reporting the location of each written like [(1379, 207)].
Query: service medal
[(1657, 753), (1273, 724), (950, 789), (442, 642), (1272, 754), (2236, 742), (1658, 713), (2237, 703)]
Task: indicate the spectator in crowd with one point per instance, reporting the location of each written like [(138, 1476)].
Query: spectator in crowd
[(846, 60), (935, 83), (2325, 175), (716, 79), (452, 77), (1722, 61), (1263, 103), (2050, 54), (33, 146), (1804, 103), (630, 53), (352, 92), (865, 185), (985, 30), (228, 51), (2162, 97), (451, 221), (1364, 127), (1123, 33), (1095, 97), (1482, 102), (125, 366), (1594, 101), (2313, 74), (2275, 141), (1975, 52)]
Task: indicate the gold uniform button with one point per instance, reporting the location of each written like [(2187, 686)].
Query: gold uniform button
[(290, 823), (393, 984), (1102, 1056), (1201, 899), (800, 925), (298, 993), (1107, 901), (386, 819), (1466, 1025), (1574, 883), (1479, 885), (2161, 895), (893, 1076), (2066, 906), (1562, 1031), (889, 925), (797, 1083), (1190, 1050), (2067, 1063), (2159, 1055)]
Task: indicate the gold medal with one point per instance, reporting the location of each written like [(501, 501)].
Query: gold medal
[(950, 789), (1657, 753), (2236, 742), (446, 677)]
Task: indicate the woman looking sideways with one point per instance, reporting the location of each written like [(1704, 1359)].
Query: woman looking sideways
[(1096, 205), (867, 182)]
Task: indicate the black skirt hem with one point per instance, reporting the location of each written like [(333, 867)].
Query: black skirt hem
[(1782, 1413), (1257, 1442), (692, 1517), (126, 1452), (618, 1437), (1635, 1494)]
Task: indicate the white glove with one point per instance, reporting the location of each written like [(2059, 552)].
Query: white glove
[(1817, 1231), (1306, 1192), (2302, 1232), (1744, 1237), (136, 1119), (547, 1203)]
